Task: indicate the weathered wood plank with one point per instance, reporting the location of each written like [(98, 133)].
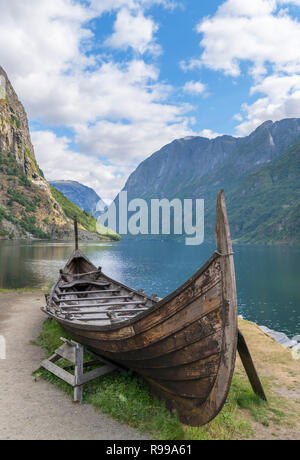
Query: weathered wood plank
[(67, 352), (59, 372), (81, 299), (197, 348), (194, 389), (78, 374), (249, 367), (97, 373), (104, 291), (83, 282), (192, 333), (200, 369), (79, 312), (111, 304)]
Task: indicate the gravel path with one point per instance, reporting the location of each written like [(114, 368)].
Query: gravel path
[(40, 411)]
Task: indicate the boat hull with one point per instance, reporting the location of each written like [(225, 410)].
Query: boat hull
[(178, 347)]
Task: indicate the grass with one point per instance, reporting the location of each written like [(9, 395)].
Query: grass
[(125, 397)]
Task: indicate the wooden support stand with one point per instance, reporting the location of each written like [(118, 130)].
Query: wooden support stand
[(73, 352), (249, 367)]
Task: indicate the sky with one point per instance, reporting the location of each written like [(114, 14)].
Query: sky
[(106, 83)]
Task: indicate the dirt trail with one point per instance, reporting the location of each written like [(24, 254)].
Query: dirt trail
[(40, 411)]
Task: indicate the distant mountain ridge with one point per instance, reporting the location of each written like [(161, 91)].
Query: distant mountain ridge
[(84, 197), (197, 167)]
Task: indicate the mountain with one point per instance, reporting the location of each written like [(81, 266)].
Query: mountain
[(84, 197), (260, 174), (28, 206)]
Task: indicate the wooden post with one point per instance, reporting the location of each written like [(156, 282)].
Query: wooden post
[(249, 367), (76, 233), (78, 374)]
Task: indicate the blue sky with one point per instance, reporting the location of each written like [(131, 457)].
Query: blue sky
[(108, 82)]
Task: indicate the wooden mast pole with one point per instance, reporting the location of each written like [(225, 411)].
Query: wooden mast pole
[(76, 233)]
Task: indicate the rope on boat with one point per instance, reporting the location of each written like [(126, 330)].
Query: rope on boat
[(224, 255)]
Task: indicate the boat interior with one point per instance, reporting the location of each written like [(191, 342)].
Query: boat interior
[(84, 294)]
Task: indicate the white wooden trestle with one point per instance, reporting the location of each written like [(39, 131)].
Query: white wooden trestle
[(74, 352)]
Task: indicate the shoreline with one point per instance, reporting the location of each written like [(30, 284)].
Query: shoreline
[(279, 337), (95, 237), (64, 240)]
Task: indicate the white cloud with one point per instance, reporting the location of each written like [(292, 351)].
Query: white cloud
[(194, 87), (53, 151), (134, 30), (111, 107), (281, 100), (209, 134), (249, 31), (266, 40), (128, 144), (47, 41), (251, 8), (104, 6)]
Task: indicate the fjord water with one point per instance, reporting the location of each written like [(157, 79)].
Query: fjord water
[(267, 276)]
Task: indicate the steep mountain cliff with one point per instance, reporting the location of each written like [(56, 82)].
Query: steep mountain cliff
[(28, 208), (84, 197), (260, 175)]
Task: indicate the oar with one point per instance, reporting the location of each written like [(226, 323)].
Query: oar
[(249, 367)]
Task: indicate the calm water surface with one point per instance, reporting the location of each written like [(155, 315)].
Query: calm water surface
[(267, 277)]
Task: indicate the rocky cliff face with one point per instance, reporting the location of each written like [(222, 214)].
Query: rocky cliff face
[(181, 165), (196, 167), (27, 208), (84, 197), (14, 133)]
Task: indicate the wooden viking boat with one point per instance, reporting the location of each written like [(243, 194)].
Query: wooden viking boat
[(184, 345)]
